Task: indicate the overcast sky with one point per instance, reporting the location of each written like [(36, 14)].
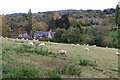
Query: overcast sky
[(22, 6)]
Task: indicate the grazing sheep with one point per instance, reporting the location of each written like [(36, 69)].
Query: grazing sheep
[(42, 44), (94, 45), (1, 36), (31, 44), (106, 46), (87, 49), (77, 44), (23, 39), (62, 52), (54, 43), (84, 44), (48, 41), (17, 38), (74, 45), (35, 40), (87, 45), (117, 53), (6, 37)]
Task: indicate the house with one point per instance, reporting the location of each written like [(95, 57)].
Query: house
[(41, 33), (25, 35)]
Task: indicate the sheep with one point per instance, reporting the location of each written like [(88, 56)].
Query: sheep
[(87, 45), (35, 40), (31, 44), (6, 37), (106, 46), (77, 44), (94, 45), (87, 49), (27, 39), (117, 53), (54, 43), (74, 45), (22, 38), (1, 36), (84, 44), (62, 52), (42, 44)]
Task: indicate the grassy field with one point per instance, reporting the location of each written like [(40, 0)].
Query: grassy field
[(100, 62)]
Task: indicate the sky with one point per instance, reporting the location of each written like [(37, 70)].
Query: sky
[(23, 6)]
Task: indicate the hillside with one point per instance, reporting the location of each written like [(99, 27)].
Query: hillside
[(99, 60)]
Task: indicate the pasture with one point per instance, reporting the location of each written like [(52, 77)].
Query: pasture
[(99, 62)]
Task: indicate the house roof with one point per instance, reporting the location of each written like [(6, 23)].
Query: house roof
[(24, 35), (40, 33)]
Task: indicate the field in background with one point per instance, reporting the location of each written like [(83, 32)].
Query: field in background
[(104, 60)]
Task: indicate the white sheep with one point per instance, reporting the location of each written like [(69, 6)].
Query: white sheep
[(106, 46), (1, 36), (94, 45), (87, 45), (62, 52), (117, 53), (31, 44), (74, 45), (23, 39), (54, 43), (6, 37), (27, 39), (77, 44), (87, 49), (35, 40), (42, 44)]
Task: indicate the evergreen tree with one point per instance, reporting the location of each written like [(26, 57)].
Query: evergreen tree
[(117, 16), (28, 28)]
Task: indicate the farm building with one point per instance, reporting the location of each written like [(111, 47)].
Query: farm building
[(25, 35), (41, 33)]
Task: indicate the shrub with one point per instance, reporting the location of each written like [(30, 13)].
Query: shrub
[(84, 62), (71, 35), (58, 34), (23, 72), (52, 73), (69, 70)]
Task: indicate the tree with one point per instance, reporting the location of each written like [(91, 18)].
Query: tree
[(72, 35), (117, 15), (28, 28), (40, 26), (58, 34), (65, 20), (5, 27), (52, 24)]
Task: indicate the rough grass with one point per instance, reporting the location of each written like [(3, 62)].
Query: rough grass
[(105, 66)]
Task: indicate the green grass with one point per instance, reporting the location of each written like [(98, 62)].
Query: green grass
[(19, 53)]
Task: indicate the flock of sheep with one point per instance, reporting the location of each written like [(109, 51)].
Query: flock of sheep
[(61, 52)]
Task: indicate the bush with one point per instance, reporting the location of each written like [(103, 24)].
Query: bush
[(58, 35), (71, 35), (52, 73), (84, 62), (69, 70), (23, 72), (30, 49)]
